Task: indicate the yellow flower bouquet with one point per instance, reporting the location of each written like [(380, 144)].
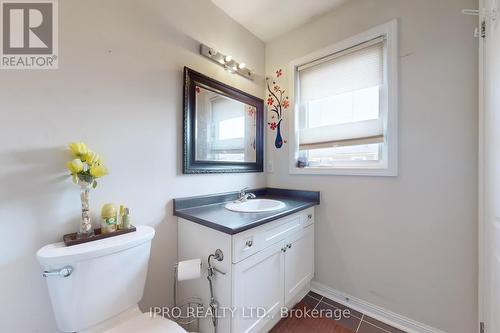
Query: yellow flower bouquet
[(85, 168)]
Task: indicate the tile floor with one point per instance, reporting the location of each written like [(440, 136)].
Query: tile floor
[(351, 322)]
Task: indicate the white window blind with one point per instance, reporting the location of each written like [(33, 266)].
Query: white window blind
[(339, 98)]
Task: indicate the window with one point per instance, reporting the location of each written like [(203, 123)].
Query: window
[(345, 107)]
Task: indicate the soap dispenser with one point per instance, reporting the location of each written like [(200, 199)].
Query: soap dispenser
[(108, 218)]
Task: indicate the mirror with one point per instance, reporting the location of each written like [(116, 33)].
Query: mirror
[(223, 128)]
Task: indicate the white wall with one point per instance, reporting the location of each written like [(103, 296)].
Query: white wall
[(118, 88), (406, 243)]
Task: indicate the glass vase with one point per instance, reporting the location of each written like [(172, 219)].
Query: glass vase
[(86, 229)]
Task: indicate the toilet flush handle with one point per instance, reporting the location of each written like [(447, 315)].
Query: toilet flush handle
[(63, 272)]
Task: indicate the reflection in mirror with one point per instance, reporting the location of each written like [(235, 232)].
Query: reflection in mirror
[(225, 128)]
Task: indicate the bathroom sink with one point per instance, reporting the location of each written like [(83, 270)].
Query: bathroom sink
[(255, 206)]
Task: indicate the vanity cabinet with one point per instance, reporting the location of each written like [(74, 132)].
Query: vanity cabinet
[(266, 268)]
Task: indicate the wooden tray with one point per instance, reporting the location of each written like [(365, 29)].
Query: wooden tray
[(71, 239)]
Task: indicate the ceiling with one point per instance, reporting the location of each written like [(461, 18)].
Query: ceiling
[(268, 19)]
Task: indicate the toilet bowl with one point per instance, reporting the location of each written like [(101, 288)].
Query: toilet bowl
[(132, 321), (94, 287), (145, 323)]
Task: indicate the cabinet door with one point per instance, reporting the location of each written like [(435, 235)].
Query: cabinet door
[(299, 262), (258, 288)]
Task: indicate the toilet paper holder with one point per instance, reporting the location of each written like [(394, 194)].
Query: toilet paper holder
[(197, 302), (189, 302)]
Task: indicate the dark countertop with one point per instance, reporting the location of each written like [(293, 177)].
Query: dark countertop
[(209, 210)]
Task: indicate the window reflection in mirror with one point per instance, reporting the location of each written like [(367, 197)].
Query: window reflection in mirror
[(225, 128)]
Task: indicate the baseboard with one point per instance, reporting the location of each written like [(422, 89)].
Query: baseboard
[(374, 311)]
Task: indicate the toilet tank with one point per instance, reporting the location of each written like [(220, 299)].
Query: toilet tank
[(108, 277)]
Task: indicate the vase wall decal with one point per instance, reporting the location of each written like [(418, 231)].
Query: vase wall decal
[(277, 103), (278, 142), (86, 229)]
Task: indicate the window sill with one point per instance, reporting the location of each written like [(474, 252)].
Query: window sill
[(382, 172)]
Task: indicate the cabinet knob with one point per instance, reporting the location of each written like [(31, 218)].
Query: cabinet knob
[(310, 216), (283, 249), (249, 243), (289, 245)]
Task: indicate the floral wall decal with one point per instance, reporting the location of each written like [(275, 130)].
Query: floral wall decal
[(277, 104)]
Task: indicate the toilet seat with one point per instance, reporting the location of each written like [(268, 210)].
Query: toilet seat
[(147, 324)]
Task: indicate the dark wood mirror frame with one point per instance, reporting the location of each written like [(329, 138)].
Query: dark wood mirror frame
[(190, 164)]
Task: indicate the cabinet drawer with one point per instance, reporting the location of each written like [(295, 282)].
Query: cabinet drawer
[(252, 241)]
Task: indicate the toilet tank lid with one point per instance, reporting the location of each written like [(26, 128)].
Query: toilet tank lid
[(59, 253)]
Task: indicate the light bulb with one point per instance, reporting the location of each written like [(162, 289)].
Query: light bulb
[(228, 58), (242, 65)]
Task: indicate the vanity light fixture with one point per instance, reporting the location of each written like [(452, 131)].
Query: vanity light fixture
[(226, 61)]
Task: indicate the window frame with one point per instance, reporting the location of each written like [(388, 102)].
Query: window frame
[(388, 166)]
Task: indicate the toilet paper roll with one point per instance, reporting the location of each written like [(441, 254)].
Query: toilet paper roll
[(189, 269)]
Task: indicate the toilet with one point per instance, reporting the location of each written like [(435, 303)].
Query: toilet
[(95, 287)]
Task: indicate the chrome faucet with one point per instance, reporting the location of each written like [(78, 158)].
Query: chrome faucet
[(243, 196)]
